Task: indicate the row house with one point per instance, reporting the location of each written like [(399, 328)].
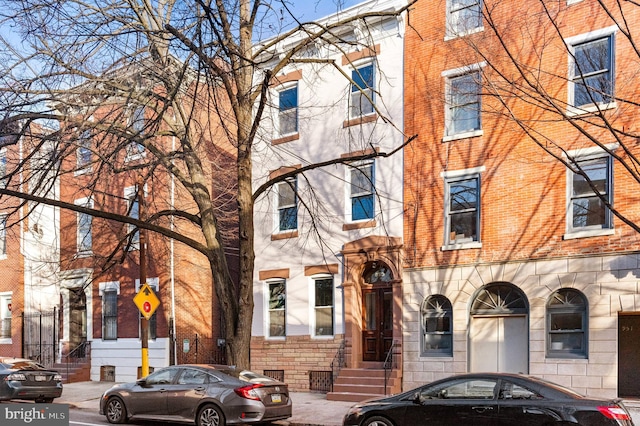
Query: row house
[(519, 241), (100, 266), (328, 240)]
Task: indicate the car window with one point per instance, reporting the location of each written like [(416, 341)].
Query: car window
[(192, 377), (162, 377), (512, 391), (461, 389)]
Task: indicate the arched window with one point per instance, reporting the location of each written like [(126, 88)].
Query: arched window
[(437, 323), (567, 324)]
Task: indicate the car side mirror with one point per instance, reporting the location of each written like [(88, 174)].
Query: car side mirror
[(141, 382), (416, 398)]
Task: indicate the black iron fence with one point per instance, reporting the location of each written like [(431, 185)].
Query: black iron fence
[(195, 349), (40, 336)]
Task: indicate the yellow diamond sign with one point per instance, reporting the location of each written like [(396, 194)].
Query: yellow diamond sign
[(146, 301)]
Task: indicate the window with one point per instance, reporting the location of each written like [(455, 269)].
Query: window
[(288, 110), (591, 72), (460, 389), (110, 314), (323, 306), (3, 167), (162, 377), (5, 315), (589, 183), (362, 97), (464, 16), (462, 209), (287, 205), (3, 235), (437, 322), (362, 189), (463, 103), (277, 308), (193, 377), (138, 123), (567, 324), (83, 228), (133, 211), (83, 152)]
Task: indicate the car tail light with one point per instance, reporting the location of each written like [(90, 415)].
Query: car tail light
[(57, 377), (249, 391), (16, 376), (614, 412)]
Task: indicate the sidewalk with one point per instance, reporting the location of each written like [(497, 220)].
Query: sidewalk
[(309, 408)]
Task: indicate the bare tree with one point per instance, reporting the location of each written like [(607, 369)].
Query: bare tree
[(78, 68)]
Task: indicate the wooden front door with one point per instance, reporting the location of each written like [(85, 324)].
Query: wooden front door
[(377, 323), (628, 355)]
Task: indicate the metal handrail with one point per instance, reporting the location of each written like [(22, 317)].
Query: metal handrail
[(337, 363), (389, 363), (77, 354)]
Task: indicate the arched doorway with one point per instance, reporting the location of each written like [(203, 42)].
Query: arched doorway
[(499, 330), (377, 311)]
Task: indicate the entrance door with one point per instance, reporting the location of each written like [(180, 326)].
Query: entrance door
[(499, 344), (377, 323), (628, 355), (77, 319)]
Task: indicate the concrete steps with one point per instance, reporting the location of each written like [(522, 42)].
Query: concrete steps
[(359, 384)]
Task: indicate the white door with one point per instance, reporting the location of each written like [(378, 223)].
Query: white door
[(499, 344)]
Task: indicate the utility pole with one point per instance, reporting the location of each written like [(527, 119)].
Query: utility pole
[(144, 322)]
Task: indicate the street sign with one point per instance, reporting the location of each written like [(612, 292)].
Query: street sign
[(146, 301)]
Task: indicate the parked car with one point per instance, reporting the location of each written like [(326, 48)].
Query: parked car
[(207, 395), (22, 378), (489, 399)]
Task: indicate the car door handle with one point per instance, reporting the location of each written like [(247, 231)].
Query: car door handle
[(532, 410), (481, 409), (200, 388)]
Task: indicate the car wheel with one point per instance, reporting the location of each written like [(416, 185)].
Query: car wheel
[(377, 421), (115, 410), (47, 400), (210, 415)]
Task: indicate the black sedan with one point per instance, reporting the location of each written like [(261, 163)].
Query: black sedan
[(207, 395), (22, 378), (489, 399)]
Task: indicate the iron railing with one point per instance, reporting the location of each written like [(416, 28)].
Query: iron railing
[(40, 336), (78, 355), (337, 363), (390, 363)]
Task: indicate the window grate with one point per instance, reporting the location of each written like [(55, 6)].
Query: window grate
[(275, 374), (320, 381)]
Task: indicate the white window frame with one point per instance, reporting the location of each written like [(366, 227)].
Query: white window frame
[(134, 150), (452, 30), (572, 42), (449, 75), (3, 236), (130, 194), (268, 309), (314, 308), (283, 113), (360, 93), (456, 176), (154, 283), (587, 154), (350, 196), (80, 249), (3, 167), (5, 314), (84, 147), (104, 287), (279, 209)]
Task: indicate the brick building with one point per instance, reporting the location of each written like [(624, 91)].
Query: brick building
[(514, 258)]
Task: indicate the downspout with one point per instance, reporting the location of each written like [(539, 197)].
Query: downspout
[(172, 264)]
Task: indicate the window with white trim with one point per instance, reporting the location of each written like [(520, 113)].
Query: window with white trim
[(277, 308), (109, 292), (3, 235), (138, 124), (287, 205), (591, 70), (323, 306), (463, 103), (84, 236), (3, 167), (463, 17), (361, 99), (362, 192), (5, 315), (288, 110), (567, 329), (437, 326), (83, 152), (133, 211), (590, 185), (462, 209)]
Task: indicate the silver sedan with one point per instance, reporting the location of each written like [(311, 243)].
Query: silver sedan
[(207, 395)]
